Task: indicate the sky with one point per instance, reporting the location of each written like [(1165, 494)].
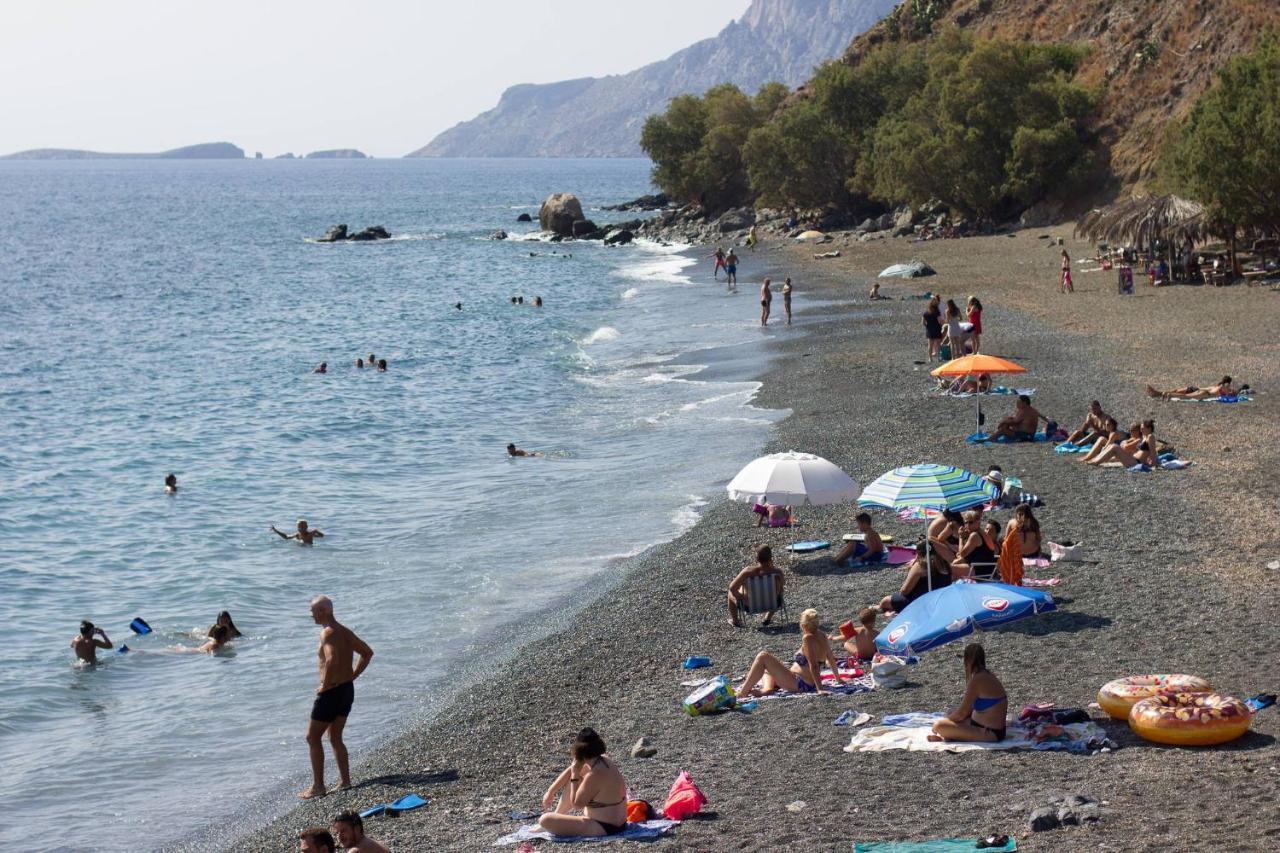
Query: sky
[(287, 75)]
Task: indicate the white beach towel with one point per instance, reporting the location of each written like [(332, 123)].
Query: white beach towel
[(911, 732), (646, 831)]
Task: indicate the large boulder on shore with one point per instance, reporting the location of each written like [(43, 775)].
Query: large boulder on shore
[(736, 220), (559, 212), (334, 234)]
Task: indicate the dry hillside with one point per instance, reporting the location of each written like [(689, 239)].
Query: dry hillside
[(1155, 56)]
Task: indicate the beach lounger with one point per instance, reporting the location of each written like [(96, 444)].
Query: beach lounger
[(762, 597)]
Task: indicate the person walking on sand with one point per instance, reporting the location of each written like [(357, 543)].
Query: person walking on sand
[(305, 535), (335, 694), (718, 254), (766, 302), (786, 298), (1065, 285), (731, 271), (752, 239)]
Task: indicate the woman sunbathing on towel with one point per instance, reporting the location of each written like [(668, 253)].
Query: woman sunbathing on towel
[(802, 676), (981, 715), (1224, 388), (595, 785)]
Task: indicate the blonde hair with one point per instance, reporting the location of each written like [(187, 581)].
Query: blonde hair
[(809, 620)]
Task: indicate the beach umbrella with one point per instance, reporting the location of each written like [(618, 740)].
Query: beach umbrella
[(928, 486), (956, 611), (812, 237), (794, 479), (976, 365)]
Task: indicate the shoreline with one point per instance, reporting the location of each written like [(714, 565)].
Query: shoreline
[(614, 664)]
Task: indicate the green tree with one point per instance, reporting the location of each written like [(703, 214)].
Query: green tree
[(1226, 153), (998, 124), (697, 144)]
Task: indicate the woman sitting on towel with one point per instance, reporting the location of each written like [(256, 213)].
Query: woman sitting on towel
[(915, 584), (1025, 527), (1128, 454), (802, 676), (1112, 436), (977, 546), (591, 782), (982, 711)]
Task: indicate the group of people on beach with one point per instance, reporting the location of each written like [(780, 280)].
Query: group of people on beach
[(950, 333), (729, 263)]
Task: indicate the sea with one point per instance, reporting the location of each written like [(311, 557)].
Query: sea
[(163, 317)]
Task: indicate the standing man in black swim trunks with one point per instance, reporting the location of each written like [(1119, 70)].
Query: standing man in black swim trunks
[(334, 695)]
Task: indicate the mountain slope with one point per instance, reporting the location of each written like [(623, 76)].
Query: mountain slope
[(601, 117), (1155, 57)]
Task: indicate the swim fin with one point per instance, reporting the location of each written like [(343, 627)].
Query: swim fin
[(139, 626), (408, 802)]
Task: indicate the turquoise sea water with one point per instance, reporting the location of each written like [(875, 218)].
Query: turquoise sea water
[(165, 316)]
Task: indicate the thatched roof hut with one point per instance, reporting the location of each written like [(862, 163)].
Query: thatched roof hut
[(1143, 221)]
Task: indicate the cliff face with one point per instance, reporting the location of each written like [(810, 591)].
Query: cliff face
[(204, 151), (779, 40), (1156, 57)]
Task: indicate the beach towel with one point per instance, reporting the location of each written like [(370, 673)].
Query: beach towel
[(1041, 581), (939, 845), (1067, 447), (1009, 562), (1237, 398), (646, 831), (1140, 468), (998, 391), (856, 679), (1175, 464), (983, 438), (911, 732)]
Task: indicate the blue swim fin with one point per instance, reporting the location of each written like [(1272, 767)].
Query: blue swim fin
[(123, 648), (139, 626), (407, 803), (373, 810)]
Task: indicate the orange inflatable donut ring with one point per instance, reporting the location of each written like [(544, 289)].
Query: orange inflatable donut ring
[(1117, 697), (1190, 719)]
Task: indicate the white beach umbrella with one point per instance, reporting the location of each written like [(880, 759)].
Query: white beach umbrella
[(794, 479)]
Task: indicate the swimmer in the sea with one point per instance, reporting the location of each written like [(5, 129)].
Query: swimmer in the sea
[(86, 644), (519, 300), (359, 364), (372, 360), (305, 535), (218, 637), (537, 302), (382, 365), (224, 621), (512, 450), (458, 305), (323, 368), (171, 484)]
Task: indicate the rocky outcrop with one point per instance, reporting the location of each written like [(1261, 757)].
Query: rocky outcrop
[(621, 237), (559, 212), (337, 154), (524, 217), (601, 117), (204, 151), (584, 229), (645, 202), (338, 234)]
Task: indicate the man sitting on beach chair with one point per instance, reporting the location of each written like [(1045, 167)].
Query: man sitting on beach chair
[(1093, 428), (1022, 424), (740, 599), (869, 550)]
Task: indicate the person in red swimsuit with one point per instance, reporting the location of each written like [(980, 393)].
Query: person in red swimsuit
[(975, 318)]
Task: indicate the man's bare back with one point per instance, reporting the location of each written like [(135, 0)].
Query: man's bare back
[(86, 645), (337, 645)]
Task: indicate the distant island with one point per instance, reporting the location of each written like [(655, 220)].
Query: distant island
[(204, 151), (338, 154)]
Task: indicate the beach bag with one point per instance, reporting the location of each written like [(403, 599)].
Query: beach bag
[(889, 671), (944, 352), (1070, 552), (715, 695), (638, 811), (684, 799)]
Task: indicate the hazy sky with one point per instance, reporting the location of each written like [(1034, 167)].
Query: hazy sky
[(288, 75)]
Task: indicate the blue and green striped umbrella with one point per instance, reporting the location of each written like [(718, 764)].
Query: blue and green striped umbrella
[(929, 486)]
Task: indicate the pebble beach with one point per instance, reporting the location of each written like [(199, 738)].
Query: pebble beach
[(1176, 581)]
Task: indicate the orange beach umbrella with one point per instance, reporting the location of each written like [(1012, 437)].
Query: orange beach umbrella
[(977, 364)]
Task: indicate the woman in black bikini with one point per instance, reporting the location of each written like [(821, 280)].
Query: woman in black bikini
[(982, 711), (977, 545), (595, 785)]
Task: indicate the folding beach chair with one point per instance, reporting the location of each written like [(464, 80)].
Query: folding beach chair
[(763, 597)]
